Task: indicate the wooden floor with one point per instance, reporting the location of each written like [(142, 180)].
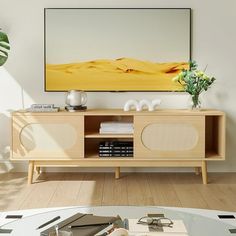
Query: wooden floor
[(160, 189)]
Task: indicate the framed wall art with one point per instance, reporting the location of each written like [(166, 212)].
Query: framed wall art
[(116, 49)]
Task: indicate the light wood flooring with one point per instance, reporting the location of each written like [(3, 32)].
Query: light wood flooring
[(160, 189)]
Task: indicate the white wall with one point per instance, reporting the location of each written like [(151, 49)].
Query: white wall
[(21, 78)]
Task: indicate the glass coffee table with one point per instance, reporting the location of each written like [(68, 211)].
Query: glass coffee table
[(197, 222)]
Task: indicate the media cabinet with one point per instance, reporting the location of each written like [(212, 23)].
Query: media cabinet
[(162, 138)]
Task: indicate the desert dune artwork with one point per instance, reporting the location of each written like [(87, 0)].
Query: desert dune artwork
[(109, 49), (122, 74)]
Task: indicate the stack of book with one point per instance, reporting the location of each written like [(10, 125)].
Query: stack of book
[(116, 127), (43, 108), (116, 149)]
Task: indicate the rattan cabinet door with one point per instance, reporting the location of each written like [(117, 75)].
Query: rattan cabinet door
[(169, 137), (45, 137)]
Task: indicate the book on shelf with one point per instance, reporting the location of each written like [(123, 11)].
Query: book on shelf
[(101, 149), (116, 144), (116, 148), (122, 124), (116, 127), (116, 131), (116, 151), (115, 155), (43, 108), (55, 109)]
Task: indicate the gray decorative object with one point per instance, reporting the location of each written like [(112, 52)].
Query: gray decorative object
[(76, 98)]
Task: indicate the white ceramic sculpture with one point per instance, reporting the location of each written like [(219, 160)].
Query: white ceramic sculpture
[(131, 104), (141, 105), (155, 104)]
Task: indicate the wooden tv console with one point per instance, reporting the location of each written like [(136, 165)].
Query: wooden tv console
[(163, 138)]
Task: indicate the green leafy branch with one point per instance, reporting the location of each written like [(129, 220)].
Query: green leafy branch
[(194, 81)]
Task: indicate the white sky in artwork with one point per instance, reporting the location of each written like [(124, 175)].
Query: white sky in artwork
[(157, 35)]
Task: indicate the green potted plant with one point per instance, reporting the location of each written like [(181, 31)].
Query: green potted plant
[(194, 82), (4, 47)]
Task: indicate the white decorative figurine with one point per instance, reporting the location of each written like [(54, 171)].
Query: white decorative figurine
[(144, 103), (141, 105), (155, 104), (131, 104)]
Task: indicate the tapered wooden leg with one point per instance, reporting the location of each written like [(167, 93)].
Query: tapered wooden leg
[(117, 173), (197, 170), (30, 172), (204, 172), (37, 169)]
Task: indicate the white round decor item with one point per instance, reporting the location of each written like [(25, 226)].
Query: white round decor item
[(131, 104), (145, 103), (156, 103), (119, 232)]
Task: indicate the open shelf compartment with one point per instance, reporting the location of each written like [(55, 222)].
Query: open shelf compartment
[(92, 126), (92, 148), (215, 137)]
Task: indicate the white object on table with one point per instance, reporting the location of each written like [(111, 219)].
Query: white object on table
[(145, 103), (76, 98), (141, 105), (131, 104), (200, 221), (155, 103)]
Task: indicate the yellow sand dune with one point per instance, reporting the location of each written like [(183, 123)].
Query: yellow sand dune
[(122, 74)]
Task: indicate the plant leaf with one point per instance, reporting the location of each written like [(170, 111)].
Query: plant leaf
[(3, 37), (3, 52), (2, 60), (4, 44)]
